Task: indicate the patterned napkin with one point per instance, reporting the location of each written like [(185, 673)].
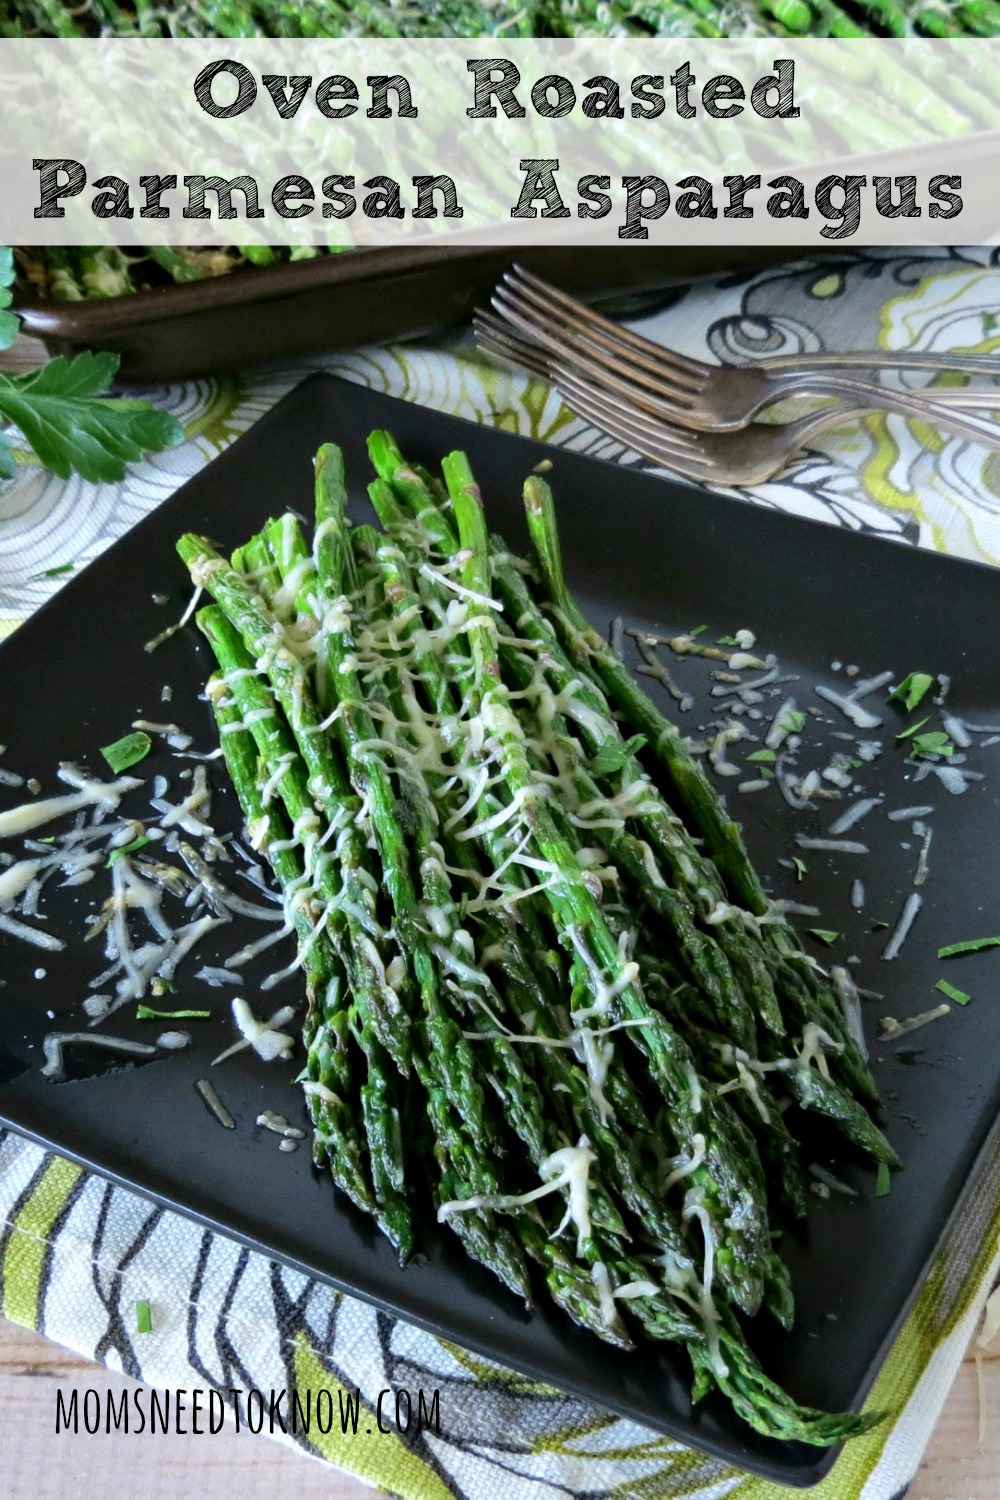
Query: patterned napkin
[(76, 1254)]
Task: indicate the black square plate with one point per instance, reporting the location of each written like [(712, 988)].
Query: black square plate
[(75, 676)]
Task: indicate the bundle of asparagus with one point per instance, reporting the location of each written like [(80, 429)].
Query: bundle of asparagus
[(501, 18), (545, 983), (77, 273)]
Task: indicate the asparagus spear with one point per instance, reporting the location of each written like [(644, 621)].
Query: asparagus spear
[(721, 835), (519, 1087), (326, 1032), (251, 698)]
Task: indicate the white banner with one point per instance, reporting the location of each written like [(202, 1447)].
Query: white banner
[(519, 142)]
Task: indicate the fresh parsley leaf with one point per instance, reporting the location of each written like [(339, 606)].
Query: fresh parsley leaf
[(612, 756), (959, 996), (146, 1013), (763, 755), (793, 721), (912, 690), (824, 935), (800, 868), (128, 751), (9, 322), (56, 411), (883, 1180), (766, 774), (116, 854), (974, 945)]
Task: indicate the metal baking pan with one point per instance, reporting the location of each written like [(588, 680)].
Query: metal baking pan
[(233, 323)]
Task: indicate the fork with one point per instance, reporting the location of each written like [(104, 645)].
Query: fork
[(751, 455), (711, 398)]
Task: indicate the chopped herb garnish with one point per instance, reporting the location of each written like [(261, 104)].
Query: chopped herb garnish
[(912, 690), (883, 1180), (904, 734), (959, 996), (824, 935), (146, 1013), (49, 838), (116, 854), (143, 1318), (59, 572), (974, 945), (613, 757), (793, 721), (763, 755), (127, 751), (765, 774), (935, 743), (876, 926), (698, 630), (727, 640), (800, 868)]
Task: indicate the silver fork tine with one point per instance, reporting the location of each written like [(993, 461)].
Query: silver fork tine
[(648, 447), (609, 367), (494, 338), (576, 320), (543, 290), (597, 347), (645, 437), (680, 439)]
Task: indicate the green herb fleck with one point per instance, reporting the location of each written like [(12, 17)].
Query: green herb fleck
[(127, 751), (763, 755), (143, 1318), (935, 743), (800, 868), (59, 572), (912, 690), (146, 1013), (959, 996), (793, 721), (904, 734), (876, 926), (613, 756), (116, 854), (765, 774), (974, 945), (883, 1180), (824, 935), (727, 640), (698, 630)]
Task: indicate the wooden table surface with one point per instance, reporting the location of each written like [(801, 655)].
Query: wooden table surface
[(242, 1467)]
